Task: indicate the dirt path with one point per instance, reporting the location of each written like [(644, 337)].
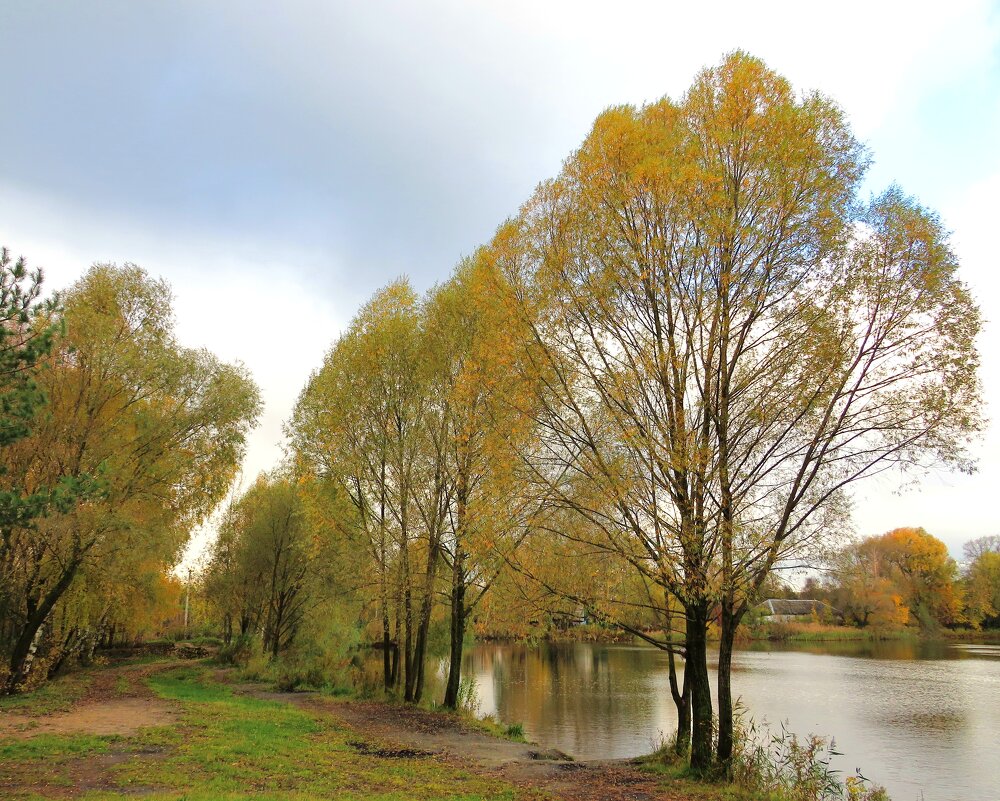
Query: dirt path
[(396, 729), (118, 701)]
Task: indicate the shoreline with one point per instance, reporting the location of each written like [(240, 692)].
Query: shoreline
[(798, 633), (199, 732)]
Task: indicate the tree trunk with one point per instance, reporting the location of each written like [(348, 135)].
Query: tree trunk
[(276, 643), (730, 623), (396, 639), (407, 629), (386, 645), (419, 654), (457, 633), (388, 666), (696, 672), (27, 641)]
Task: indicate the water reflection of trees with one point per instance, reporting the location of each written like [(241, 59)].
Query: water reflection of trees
[(582, 692)]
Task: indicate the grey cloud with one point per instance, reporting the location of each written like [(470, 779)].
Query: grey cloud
[(399, 147)]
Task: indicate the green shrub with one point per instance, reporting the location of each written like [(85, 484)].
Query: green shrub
[(328, 663), (238, 652), (515, 731), (468, 698), (207, 640)]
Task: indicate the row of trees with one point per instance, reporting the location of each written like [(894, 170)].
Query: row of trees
[(656, 384), (905, 577), (653, 386), (115, 442), (408, 441)]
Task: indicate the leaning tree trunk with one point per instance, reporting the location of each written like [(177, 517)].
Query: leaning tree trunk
[(681, 694), (27, 641), (682, 701), (424, 624), (684, 717)]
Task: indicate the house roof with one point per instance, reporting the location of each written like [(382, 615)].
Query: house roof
[(792, 606)]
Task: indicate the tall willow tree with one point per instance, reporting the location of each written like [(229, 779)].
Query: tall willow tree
[(160, 427), (29, 328), (360, 427), (477, 437), (724, 340)]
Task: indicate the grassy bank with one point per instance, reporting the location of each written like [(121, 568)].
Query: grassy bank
[(820, 632), (972, 635), (585, 632), (232, 742)]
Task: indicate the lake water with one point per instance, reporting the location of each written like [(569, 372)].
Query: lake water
[(922, 719)]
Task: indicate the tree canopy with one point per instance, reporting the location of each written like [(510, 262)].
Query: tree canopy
[(160, 427), (724, 338)]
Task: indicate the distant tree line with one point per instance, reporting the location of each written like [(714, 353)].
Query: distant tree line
[(905, 577)]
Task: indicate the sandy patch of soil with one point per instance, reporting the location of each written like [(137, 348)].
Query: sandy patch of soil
[(117, 702)]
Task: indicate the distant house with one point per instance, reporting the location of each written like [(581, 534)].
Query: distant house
[(783, 610)]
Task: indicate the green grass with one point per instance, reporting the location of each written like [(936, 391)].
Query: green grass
[(677, 774), (43, 747), (819, 632), (232, 747), (515, 731), (495, 727), (49, 759), (54, 696), (690, 788)]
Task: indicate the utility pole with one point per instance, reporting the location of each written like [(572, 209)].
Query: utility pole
[(187, 605)]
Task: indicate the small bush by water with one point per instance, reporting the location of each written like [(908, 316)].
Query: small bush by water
[(820, 632), (770, 766), (781, 765)]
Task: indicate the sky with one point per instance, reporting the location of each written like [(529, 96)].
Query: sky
[(277, 163)]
